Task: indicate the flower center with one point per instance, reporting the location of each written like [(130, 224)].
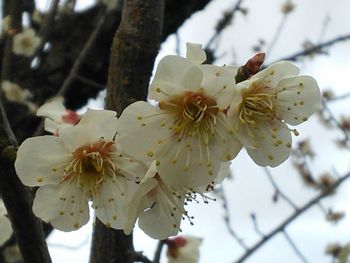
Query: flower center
[(90, 166), (258, 103), (194, 113), (26, 42)]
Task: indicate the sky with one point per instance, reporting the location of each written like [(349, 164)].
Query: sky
[(249, 190)]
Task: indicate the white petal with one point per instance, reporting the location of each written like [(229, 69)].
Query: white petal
[(272, 144), (111, 206), (143, 130), (158, 223), (273, 74), (297, 99), (219, 82), (129, 167), (94, 124), (5, 229), (54, 109), (228, 145), (195, 53), (65, 206), (40, 160), (189, 163), (174, 75), (141, 200)]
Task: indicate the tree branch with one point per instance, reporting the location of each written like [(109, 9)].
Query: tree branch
[(18, 201), (290, 219), (134, 49), (314, 49)]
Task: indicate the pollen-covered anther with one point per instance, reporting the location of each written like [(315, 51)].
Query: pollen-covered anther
[(258, 103), (194, 114), (90, 166)]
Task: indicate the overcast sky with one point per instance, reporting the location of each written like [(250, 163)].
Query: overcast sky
[(250, 190)]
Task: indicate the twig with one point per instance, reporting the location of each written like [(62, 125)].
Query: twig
[(335, 121), (90, 82), (256, 226), (340, 97), (9, 59), (291, 218), (75, 69), (158, 252), (278, 191), (224, 22), (227, 217), (315, 48), (46, 26), (294, 246), (277, 34)]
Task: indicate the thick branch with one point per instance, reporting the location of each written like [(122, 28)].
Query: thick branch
[(134, 49), (27, 228), (135, 46)]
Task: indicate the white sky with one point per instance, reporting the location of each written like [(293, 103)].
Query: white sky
[(250, 190)]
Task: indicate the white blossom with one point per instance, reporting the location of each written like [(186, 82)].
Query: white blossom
[(263, 106), (83, 163), (14, 93), (160, 207), (5, 225), (57, 116), (187, 133), (183, 249), (26, 42)]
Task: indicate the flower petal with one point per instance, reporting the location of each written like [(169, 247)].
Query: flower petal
[(112, 204), (272, 144), (173, 76), (143, 130), (65, 206), (5, 229), (219, 82), (94, 124), (274, 73), (297, 99), (189, 163), (195, 53), (54, 109), (40, 160), (140, 200)]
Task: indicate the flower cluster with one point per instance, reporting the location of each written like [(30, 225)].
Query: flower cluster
[(155, 158)]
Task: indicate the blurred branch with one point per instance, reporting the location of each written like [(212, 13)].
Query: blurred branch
[(227, 218), (9, 59), (314, 49), (158, 252), (294, 246), (278, 191), (337, 98), (47, 26), (281, 227), (256, 225), (224, 22), (276, 35), (333, 119), (133, 52), (75, 69)]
